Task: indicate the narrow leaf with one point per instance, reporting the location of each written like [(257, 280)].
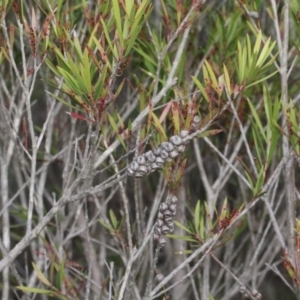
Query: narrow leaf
[(40, 275)]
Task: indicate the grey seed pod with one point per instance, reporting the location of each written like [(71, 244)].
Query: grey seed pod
[(174, 199), (134, 166), (150, 156), (154, 166), (138, 174), (142, 170), (196, 120), (172, 208), (184, 133), (256, 294), (171, 226), (159, 160), (173, 154), (162, 241), (156, 237), (164, 154), (130, 171), (159, 277), (167, 146), (167, 213), (157, 230), (180, 148), (157, 151), (169, 220), (141, 160), (165, 229), (163, 207), (176, 140), (160, 216), (159, 223)]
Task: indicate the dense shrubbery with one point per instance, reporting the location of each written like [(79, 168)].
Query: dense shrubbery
[(149, 149)]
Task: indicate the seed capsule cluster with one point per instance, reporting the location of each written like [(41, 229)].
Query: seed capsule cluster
[(165, 219), (152, 160)]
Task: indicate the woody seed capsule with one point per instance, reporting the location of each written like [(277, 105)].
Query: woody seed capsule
[(150, 156), (184, 133), (130, 171), (167, 213), (163, 206), (154, 166), (160, 216), (157, 151), (159, 160), (174, 199), (176, 140), (162, 241), (156, 237), (134, 166), (165, 229), (167, 146), (180, 148), (173, 154), (164, 154), (142, 170), (157, 230), (171, 227), (168, 220), (172, 208), (141, 160), (159, 223)]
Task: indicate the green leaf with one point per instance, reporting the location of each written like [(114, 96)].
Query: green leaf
[(212, 77), (262, 79), (40, 275), (107, 35), (257, 120), (210, 133), (34, 290), (259, 146), (158, 126), (201, 88), (117, 15), (227, 79), (224, 211), (242, 61), (259, 182), (197, 216), (113, 219), (208, 217), (182, 238), (63, 101), (116, 130), (102, 53), (175, 118), (85, 72), (257, 42), (99, 86), (139, 18), (77, 45), (265, 52), (182, 227), (106, 225)]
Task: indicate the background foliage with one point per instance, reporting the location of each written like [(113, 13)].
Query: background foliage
[(88, 87)]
